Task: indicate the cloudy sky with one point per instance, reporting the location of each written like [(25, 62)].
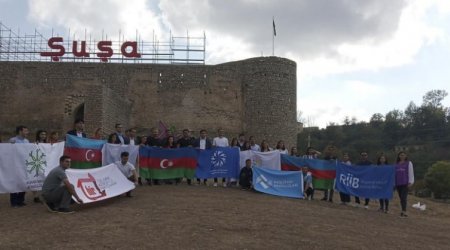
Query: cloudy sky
[(354, 58)]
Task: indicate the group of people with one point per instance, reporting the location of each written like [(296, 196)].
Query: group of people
[(404, 178), (57, 200)]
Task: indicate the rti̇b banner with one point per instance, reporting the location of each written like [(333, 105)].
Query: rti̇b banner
[(376, 182), (280, 183), (218, 162), (98, 184)]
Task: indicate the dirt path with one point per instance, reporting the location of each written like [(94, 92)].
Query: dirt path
[(199, 217)]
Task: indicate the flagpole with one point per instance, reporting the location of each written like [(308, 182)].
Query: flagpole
[(273, 36)]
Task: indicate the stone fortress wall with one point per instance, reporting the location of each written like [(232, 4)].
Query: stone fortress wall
[(256, 96)]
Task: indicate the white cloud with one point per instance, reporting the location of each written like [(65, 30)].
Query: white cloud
[(97, 17)]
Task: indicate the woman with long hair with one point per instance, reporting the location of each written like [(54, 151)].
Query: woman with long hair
[(265, 146), (281, 147), (98, 135), (41, 136), (384, 203), (404, 178)]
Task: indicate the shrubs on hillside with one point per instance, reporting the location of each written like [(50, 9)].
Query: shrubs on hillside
[(437, 179)]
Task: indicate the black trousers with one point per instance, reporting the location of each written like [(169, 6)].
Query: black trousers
[(366, 201), (384, 204), (403, 195), (17, 199), (344, 197)]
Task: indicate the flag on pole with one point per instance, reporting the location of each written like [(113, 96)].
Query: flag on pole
[(274, 29), (163, 131)]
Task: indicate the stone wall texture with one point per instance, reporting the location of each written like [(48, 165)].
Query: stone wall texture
[(256, 96)]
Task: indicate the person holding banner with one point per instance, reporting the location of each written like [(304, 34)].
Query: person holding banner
[(127, 169), (220, 141), (364, 161), (345, 198), (78, 129), (18, 199), (308, 183), (57, 191), (404, 178), (384, 203), (202, 143)]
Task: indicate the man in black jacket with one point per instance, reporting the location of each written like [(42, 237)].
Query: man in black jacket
[(78, 129)]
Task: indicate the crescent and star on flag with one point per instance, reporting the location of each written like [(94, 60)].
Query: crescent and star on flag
[(165, 163)]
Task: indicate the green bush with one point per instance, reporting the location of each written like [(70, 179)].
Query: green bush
[(437, 179), (420, 189)]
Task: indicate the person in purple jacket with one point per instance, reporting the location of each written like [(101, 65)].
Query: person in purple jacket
[(404, 178)]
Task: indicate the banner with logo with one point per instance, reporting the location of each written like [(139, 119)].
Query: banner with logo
[(218, 162), (111, 153), (323, 171), (375, 182), (98, 184), (280, 183), (85, 153), (24, 166), (160, 163), (270, 160)]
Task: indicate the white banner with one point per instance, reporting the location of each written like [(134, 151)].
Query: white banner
[(111, 153), (24, 166), (98, 184), (270, 160)]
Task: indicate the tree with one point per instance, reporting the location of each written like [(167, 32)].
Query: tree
[(376, 120), (437, 179), (434, 98)]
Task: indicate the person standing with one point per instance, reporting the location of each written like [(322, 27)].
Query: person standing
[(78, 129), (364, 161), (41, 137), (18, 199), (345, 198), (404, 178), (384, 203), (186, 141), (253, 145), (120, 137), (57, 191), (220, 141), (202, 143), (154, 141)]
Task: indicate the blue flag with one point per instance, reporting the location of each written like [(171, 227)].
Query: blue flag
[(218, 162), (280, 183), (376, 182)]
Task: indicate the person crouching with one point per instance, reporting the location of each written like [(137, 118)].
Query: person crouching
[(57, 191)]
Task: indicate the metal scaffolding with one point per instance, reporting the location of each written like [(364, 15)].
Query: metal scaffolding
[(15, 46)]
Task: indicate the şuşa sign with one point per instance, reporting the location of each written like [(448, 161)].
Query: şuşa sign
[(104, 47)]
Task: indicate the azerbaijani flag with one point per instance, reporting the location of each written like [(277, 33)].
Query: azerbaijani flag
[(85, 153), (159, 163), (323, 172)]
